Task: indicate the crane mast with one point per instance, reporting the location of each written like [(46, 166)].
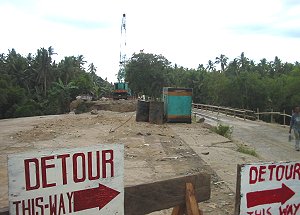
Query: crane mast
[(121, 90), (122, 61)]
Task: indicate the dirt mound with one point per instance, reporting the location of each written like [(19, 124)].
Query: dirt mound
[(65, 125), (115, 105), (81, 106)]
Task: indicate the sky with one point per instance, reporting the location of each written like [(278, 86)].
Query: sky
[(186, 32)]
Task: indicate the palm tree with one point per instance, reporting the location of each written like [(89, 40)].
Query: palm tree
[(243, 62), (44, 60), (222, 60), (68, 67), (201, 67), (263, 67), (210, 66), (80, 61)]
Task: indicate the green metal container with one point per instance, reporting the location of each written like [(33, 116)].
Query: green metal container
[(177, 104)]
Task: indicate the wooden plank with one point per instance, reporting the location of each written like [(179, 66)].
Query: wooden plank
[(238, 190), (147, 198), (190, 201)]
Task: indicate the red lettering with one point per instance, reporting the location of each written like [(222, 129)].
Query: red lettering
[(297, 171), (64, 167), (271, 168), (90, 166), (53, 205), (24, 208), (33, 207), (70, 196), (297, 207), (39, 204), (75, 167), (107, 161), (27, 165), (61, 204), (289, 174), (262, 171), (279, 173), (289, 209), (253, 175), (17, 206), (268, 211), (44, 168)]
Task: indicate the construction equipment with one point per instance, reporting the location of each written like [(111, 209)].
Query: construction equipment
[(121, 90)]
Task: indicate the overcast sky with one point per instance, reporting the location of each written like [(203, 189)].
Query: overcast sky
[(188, 32)]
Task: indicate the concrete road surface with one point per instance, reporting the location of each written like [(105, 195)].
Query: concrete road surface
[(269, 140)]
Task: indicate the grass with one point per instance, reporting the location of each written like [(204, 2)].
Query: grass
[(246, 150), (226, 131), (223, 130)]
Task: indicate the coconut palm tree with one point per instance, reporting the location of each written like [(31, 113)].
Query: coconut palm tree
[(210, 66), (222, 60)]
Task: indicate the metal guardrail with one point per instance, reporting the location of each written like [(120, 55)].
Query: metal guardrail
[(245, 114), (271, 113)]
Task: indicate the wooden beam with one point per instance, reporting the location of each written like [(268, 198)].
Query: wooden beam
[(147, 198)]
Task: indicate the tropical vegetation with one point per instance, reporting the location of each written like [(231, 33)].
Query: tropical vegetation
[(37, 85), (239, 83)]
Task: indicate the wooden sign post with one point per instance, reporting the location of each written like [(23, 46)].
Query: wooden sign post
[(268, 189), (85, 180), (191, 205)]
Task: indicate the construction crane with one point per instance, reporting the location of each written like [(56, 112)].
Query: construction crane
[(121, 90), (122, 62)]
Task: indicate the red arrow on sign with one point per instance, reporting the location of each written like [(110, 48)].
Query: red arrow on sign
[(269, 196), (94, 197)]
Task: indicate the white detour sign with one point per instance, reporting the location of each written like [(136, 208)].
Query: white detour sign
[(270, 189), (85, 180)]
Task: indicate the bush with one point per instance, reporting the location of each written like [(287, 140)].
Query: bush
[(30, 108), (223, 130), (81, 108), (246, 150)]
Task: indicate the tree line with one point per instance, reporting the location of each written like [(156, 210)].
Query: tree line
[(37, 85), (239, 83)]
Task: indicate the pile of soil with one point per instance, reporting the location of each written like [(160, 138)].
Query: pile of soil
[(81, 106)]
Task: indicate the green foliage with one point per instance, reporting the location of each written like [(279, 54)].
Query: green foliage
[(223, 130), (146, 73), (37, 85), (246, 150), (29, 108), (60, 94), (10, 96), (239, 83)]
